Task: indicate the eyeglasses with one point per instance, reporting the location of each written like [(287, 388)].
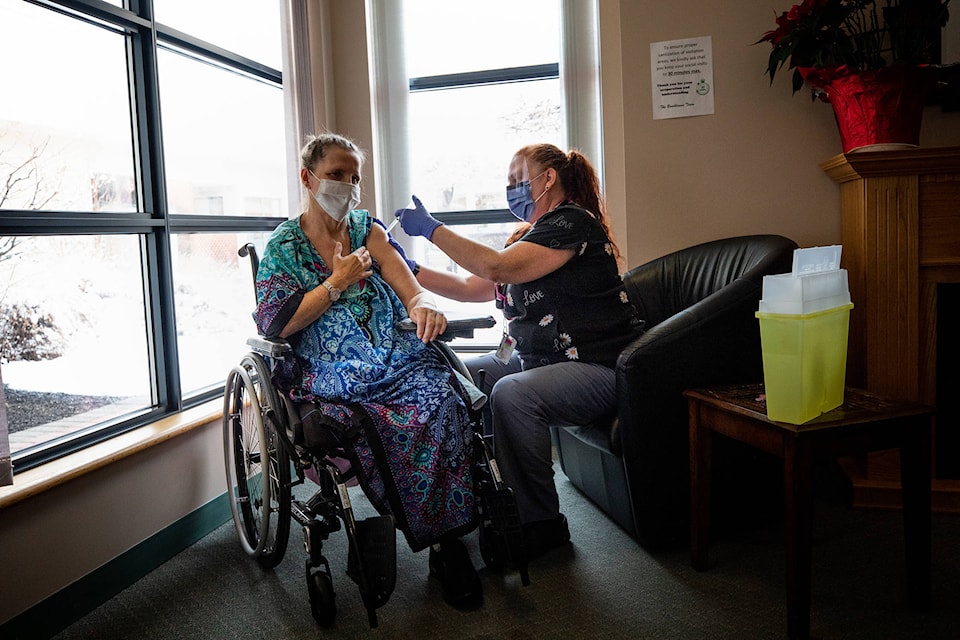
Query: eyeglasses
[(523, 183)]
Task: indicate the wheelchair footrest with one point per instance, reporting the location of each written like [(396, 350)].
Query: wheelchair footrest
[(501, 532), (372, 561)]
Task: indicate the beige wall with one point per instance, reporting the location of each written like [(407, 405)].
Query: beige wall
[(56, 537), (351, 73), (752, 167)]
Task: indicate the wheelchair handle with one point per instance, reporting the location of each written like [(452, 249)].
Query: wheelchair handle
[(457, 327), (250, 250)]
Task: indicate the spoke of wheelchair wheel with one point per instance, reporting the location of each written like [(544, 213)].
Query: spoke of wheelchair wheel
[(251, 448)]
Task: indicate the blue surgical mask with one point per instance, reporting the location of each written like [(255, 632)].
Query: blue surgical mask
[(520, 199)]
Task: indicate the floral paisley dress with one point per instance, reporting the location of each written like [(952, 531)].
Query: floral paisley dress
[(413, 450)]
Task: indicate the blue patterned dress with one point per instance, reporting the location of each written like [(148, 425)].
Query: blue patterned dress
[(413, 452)]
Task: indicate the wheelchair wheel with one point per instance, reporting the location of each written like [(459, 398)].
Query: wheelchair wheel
[(323, 604), (257, 462), (452, 359)]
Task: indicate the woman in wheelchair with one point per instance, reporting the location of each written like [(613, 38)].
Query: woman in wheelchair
[(331, 284)]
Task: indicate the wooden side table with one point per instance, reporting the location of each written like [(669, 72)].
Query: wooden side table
[(864, 422)]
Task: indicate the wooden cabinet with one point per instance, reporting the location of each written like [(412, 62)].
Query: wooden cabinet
[(901, 248)]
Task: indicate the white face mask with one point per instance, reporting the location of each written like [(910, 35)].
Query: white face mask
[(337, 198)]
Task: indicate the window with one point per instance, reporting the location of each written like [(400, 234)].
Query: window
[(122, 297), (469, 110)]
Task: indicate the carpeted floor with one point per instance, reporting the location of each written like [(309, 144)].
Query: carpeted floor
[(602, 586)]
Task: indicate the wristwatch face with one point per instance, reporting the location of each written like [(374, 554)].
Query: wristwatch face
[(334, 292)]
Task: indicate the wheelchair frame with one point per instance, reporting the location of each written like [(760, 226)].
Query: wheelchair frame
[(264, 458)]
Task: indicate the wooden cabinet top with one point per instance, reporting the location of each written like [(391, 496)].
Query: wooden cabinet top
[(846, 167)]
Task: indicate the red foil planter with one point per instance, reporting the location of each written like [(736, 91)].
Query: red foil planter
[(875, 107)]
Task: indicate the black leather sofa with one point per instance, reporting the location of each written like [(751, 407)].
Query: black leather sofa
[(699, 306)]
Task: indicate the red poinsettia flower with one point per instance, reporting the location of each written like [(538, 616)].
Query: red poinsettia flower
[(861, 34)]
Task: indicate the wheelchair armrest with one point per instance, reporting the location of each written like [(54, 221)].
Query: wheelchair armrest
[(457, 326), (270, 347)]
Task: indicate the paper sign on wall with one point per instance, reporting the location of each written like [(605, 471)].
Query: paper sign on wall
[(682, 73)]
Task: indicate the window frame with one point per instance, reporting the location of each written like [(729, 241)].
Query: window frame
[(529, 73), (153, 223), (578, 72), (452, 81)]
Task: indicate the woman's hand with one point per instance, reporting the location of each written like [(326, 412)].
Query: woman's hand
[(417, 221), (350, 268), (430, 322), (347, 269)]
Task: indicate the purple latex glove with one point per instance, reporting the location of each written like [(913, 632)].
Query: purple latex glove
[(417, 221), (396, 245)]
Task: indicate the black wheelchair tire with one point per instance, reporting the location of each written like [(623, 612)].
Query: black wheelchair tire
[(261, 510), (323, 605)]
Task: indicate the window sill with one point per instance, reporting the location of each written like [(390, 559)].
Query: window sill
[(53, 474)]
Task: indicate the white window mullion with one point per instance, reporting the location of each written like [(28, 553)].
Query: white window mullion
[(580, 79), (389, 90)]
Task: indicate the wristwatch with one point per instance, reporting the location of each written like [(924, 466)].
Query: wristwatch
[(332, 290)]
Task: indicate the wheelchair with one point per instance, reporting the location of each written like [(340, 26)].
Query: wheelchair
[(265, 456)]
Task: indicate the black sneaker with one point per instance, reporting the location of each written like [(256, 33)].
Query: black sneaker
[(542, 536), (458, 578)]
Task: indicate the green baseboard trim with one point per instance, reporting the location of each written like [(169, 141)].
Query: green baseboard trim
[(71, 603)]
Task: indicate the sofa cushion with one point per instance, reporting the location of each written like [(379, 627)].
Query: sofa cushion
[(602, 434)]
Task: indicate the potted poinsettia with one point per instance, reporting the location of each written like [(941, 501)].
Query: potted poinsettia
[(867, 58)]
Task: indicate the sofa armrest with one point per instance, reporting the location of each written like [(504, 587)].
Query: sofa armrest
[(691, 347), (714, 342)]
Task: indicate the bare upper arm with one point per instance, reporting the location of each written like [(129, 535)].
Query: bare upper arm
[(465, 287), (526, 261), (392, 267)]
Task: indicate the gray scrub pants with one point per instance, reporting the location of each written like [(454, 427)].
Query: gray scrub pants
[(524, 404)]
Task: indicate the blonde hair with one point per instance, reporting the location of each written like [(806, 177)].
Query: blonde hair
[(316, 147)]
